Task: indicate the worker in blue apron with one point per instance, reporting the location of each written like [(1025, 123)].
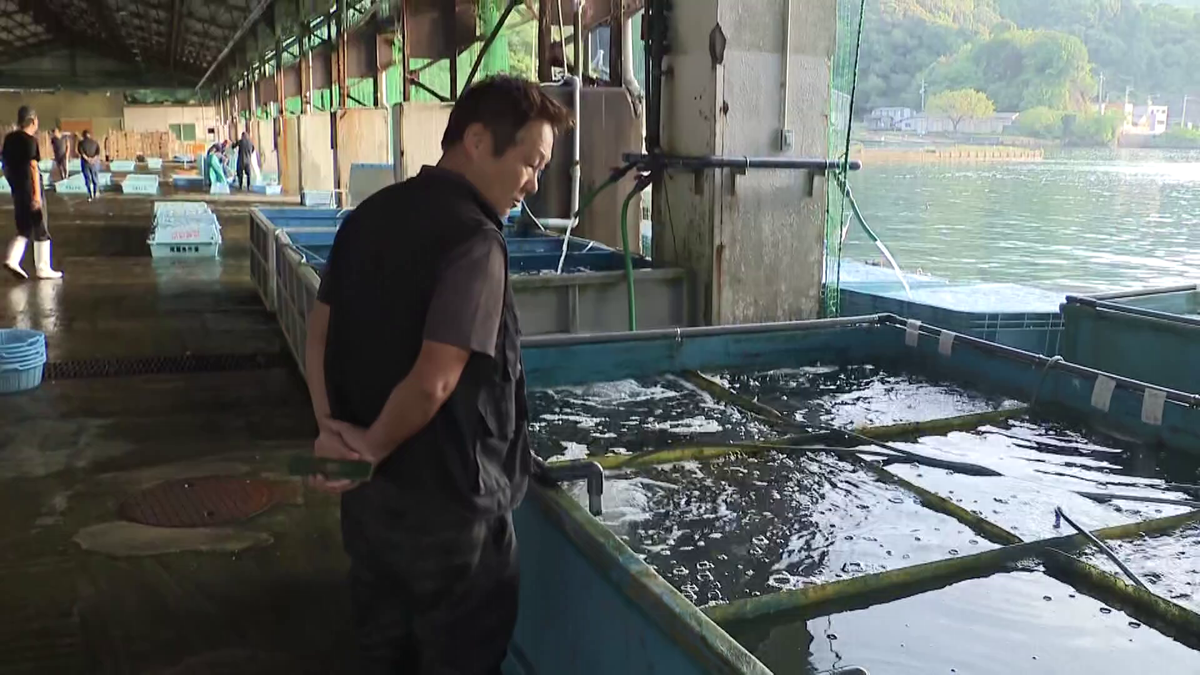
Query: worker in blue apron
[(414, 364)]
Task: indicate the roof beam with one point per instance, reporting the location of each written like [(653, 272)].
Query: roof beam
[(108, 25), (257, 12), (175, 45)]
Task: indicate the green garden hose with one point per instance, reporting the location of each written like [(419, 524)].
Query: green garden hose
[(628, 257)]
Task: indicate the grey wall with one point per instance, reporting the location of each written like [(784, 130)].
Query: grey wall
[(754, 242)]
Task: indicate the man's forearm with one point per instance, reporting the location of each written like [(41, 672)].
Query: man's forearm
[(409, 408), (37, 181), (314, 359)]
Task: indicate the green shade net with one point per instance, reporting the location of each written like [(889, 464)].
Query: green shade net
[(842, 81), (513, 52)]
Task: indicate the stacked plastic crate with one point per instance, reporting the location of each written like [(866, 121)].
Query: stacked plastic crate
[(184, 230)]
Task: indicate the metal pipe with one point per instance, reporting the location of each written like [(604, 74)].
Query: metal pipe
[(698, 332), (592, 472), (1059, 514), (628, 78), (576, 133), (787, 60), (1135, 311), (254, 15), (652, 18), (1120, 295), (715, 162), (1191, 400), (577, 29), (1109, 496)]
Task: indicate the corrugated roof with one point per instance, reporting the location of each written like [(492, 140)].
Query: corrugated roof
[(181, 36)]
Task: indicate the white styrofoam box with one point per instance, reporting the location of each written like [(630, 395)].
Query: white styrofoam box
[(72, 185), (317, 198), (154, 163), (104, 179), (181, 208), (122, 166), (219, 189), (140, 185), (46, 165)]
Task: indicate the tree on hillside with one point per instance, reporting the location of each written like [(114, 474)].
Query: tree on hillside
[(961, 104), (1020, 69)]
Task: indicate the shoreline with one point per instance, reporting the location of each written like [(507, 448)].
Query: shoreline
[(947, 153)]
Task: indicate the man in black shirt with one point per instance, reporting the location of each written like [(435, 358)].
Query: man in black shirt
[(413, 362), (21, 156), (58, 145), (245, 152), (89, 163)]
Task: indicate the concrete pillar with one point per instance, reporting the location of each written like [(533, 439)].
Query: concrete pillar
[(754, 241)]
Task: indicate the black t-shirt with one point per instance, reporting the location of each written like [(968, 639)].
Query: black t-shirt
[(424, 260), (19, 150), (89, 148), (245, 149), (59, 146)]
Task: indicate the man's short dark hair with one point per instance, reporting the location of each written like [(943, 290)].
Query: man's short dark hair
[(503, 105), (25, 116), (87, 134)]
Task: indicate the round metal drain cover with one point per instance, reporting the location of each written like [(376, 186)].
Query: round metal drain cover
[(199, 502)]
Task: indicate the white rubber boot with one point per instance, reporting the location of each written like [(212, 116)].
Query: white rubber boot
[(41, 261), (12, 261)]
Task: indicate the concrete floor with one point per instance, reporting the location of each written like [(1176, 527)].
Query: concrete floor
[(262, 596)]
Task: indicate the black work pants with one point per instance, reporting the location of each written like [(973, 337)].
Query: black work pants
[(430, 596), (31, 223), (243, 169)]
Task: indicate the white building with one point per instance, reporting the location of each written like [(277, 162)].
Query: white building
[(923, 123), (887, 119)]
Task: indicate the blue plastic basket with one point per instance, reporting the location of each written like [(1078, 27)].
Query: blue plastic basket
[(15, 381), (25, 360), (16, 343)]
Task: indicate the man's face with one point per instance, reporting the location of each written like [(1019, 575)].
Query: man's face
[(509, 178), (56, 133)]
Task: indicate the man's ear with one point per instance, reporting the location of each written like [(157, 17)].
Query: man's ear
[(477, 140)]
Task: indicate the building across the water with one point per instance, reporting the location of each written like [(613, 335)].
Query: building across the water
[(923, 123)]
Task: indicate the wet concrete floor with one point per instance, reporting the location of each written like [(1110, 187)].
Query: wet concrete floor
[(82, 592)]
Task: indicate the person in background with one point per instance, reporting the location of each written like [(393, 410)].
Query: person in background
[(245, 150), (21, 156), (414, 364), (89, 164), (58, 144)]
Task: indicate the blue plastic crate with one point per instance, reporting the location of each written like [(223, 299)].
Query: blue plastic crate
[(16, 381), (187, 182), (1008, 314)]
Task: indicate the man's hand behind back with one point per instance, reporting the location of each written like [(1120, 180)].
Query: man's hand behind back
[(331, 444)]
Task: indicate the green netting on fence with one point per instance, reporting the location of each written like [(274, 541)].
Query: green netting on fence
[(514, 51), (843, 78)]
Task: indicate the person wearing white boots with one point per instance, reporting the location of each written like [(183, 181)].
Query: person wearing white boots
[(21, 155)]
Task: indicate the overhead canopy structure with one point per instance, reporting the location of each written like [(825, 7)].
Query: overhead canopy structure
[(114, 42)]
